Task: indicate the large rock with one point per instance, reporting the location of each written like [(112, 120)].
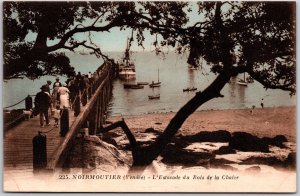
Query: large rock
[(246, 142), (278, 141), (225, 150), (209, 136), (271, 161), (176, 155), (290, 161), (91, 152), (179, 141)]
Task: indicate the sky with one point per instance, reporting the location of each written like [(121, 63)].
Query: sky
[(115, 40)]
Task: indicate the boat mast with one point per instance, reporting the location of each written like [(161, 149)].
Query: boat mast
[(127, 57)]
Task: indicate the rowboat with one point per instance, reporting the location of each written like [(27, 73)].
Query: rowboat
[(157, 96), (189, 89)]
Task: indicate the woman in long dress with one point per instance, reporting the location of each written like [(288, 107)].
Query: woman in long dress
[(64, 97)]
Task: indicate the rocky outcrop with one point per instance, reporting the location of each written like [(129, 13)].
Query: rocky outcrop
[(176, 155), (246, 142), (225, 150), (276, 141), (209, 136), (92, 152)]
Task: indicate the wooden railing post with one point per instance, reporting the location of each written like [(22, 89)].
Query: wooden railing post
[(77, 105)]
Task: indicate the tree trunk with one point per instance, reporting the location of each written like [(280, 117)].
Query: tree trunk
[(144, 156)]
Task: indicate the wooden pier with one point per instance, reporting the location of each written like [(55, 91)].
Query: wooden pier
[(18, 147)]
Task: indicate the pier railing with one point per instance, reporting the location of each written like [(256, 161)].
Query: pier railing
[(93, 112)]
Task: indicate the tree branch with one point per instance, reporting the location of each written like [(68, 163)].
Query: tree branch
[(126, 130), (75, 45), (69, 34)]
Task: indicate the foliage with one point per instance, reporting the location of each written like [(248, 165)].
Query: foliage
[(260, 36), (62, 21), (260, 41)]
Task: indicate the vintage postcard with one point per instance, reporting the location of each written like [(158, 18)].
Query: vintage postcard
[(128, 96)]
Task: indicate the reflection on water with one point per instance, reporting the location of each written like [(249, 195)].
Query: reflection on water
[(174, 75), (237, 93)]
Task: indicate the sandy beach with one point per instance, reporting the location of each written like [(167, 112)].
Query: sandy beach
[(267, 122), (185, 166)]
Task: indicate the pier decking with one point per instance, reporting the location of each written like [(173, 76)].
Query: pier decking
[(18, 154), (18, 147)]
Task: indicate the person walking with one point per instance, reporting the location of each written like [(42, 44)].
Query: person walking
[(48, 86), (57, 83), (64, 97), (55, 96), (43, 102)]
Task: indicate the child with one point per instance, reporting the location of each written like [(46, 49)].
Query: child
[(56, 115)]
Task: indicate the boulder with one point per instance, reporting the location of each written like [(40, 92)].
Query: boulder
[(95, 153), (180, 142), (290, 161), (246, 142), (209, 136), (175, 155), (225, 150), (271, 161), (276, 141)]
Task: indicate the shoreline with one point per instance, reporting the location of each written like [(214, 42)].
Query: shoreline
[(262, 122), (208, 110)]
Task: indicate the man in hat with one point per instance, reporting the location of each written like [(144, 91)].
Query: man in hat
[(55, 95), (43, 101), (57, 83), (48, 86)]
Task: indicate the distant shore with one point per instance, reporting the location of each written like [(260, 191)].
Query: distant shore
[(266, 122)]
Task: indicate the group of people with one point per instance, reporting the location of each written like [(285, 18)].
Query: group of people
[(45, 101), (62, 96)]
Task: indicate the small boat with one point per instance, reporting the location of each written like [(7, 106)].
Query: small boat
[(189, 89), (242, 82), (137, 87), (155, 84), (157, 96), (128, 85), (143, 83), (133, 86)]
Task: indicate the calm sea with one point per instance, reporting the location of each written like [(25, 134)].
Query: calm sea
[(174, 75)]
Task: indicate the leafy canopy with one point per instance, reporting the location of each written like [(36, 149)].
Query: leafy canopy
[(253, 37)]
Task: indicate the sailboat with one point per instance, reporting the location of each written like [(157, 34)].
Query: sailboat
[(157, 96), (155, 84), (127, 68), (243, 82)]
